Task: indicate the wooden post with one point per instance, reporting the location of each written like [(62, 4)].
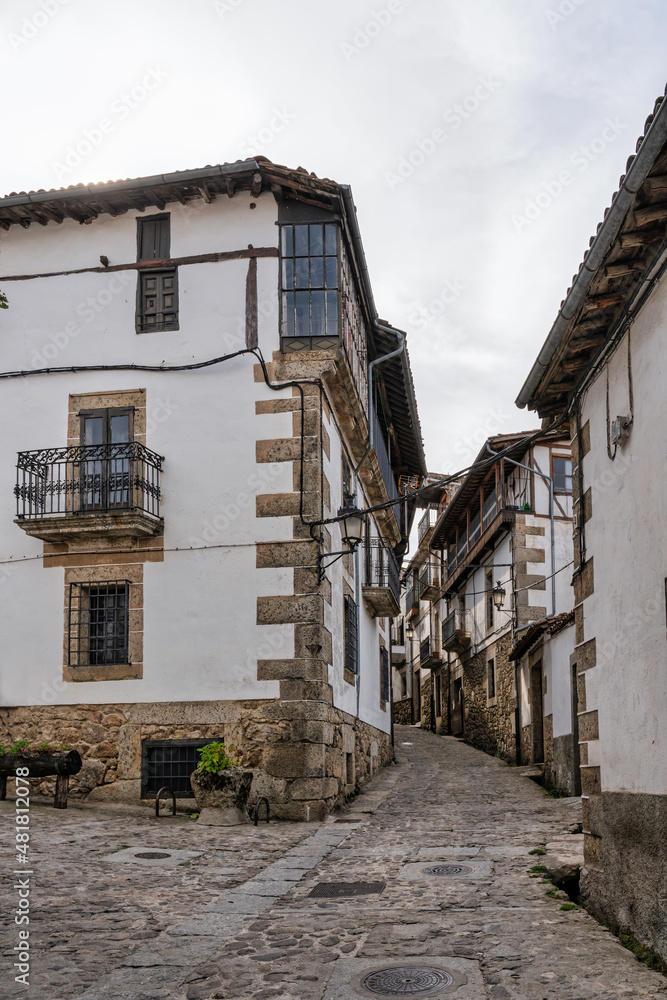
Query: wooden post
[(62, 787)]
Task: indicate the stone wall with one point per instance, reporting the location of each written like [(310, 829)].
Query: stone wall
[(427, 699), (301, 762), (403, 712), (489, 723)]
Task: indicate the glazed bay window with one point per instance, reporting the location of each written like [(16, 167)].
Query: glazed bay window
[(157, 289), (309, 281), (98, 623)]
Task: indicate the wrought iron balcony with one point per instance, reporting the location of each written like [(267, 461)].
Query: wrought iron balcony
[(85, 490), (457, 631), (411, 595), (429, 582), (381, 589), (429, 656), (427, 524)]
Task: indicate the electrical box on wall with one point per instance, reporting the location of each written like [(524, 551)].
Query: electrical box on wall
[(620, 429)]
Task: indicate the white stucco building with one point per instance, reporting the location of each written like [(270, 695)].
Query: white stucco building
[(604, 364), (185, 382)]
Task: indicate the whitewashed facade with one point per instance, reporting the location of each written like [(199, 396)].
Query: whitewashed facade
[(228, 632)]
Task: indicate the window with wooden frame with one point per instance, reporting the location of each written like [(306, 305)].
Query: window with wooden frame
[(561, 473), (384, 674), (104, 474), (98, 623), (157, 288), (351, 628), (309, 280)]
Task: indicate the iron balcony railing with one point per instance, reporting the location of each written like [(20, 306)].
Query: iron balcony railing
[(428, 649), (457, 621), (516, 496), (428, 521), (381, 566), (412, 594), (429, 578), (388, 477), (64, 482), (398, 633)]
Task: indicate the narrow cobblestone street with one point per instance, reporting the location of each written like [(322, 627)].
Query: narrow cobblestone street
[(236, 917)]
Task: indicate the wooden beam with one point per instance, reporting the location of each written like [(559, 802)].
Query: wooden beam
[(180, 197), (573, 365), (132, 202), (73, 215), (623, 267), (206, 193), (603, 301), (584, 344), (106, 205), (635, 238), (230, 187), (21, 219), (652, 213), (656, 185), (154, 200), (256, 186)]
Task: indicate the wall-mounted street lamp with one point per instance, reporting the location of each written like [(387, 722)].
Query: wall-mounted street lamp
[(498, 594), (409, 631), (352, 530)]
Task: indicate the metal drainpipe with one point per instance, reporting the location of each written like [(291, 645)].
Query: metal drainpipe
[(357, 597), (551, 513)]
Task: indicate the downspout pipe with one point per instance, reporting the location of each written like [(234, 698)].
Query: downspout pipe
[(551, 515), (653, 141), (371, 369)]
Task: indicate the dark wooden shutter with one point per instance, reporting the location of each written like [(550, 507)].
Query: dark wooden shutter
[(153, 238), (351, 629), (158, 301), (384, 685)]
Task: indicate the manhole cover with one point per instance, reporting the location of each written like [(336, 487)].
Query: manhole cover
[(407, 981), (152, 854), (338, 889), (448, 870)]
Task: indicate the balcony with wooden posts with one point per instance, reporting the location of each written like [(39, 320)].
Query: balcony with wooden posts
[(457, 632)]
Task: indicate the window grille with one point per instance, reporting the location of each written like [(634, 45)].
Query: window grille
[(98, 623), (170, 763), (492, 678), (351, 628), (384, 674), (309, 280)]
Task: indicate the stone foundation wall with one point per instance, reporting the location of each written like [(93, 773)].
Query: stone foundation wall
[(307, 757), (623, 881), (489, 723), (403, 712), (564, 774), (427, 699)]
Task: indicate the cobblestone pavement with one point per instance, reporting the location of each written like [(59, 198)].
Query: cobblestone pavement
[(235, 918)]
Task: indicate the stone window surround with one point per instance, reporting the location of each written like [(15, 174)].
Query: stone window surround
[(134, 574)]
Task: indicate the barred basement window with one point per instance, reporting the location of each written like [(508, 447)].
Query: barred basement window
[(157, 291), (98, 623), (170, 763), (351, 627), (309, 280), (491, 672), (384, 674)]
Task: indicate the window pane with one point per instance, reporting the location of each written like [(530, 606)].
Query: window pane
[(317, 272), (332, 314), (288, 314), (332, 272), (316, 241), (330, 239), (120, 429), (301, 272), (288, 242), (318, 328), (92, 430), (288, 273), (302, 314), (301, 241)]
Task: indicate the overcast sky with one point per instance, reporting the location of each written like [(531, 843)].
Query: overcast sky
[(482, 139)]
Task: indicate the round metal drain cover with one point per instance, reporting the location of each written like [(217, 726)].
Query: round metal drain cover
[(448, 870), (407, 981), (152, 854)]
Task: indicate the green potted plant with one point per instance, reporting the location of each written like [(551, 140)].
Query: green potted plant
[(221, 785)]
